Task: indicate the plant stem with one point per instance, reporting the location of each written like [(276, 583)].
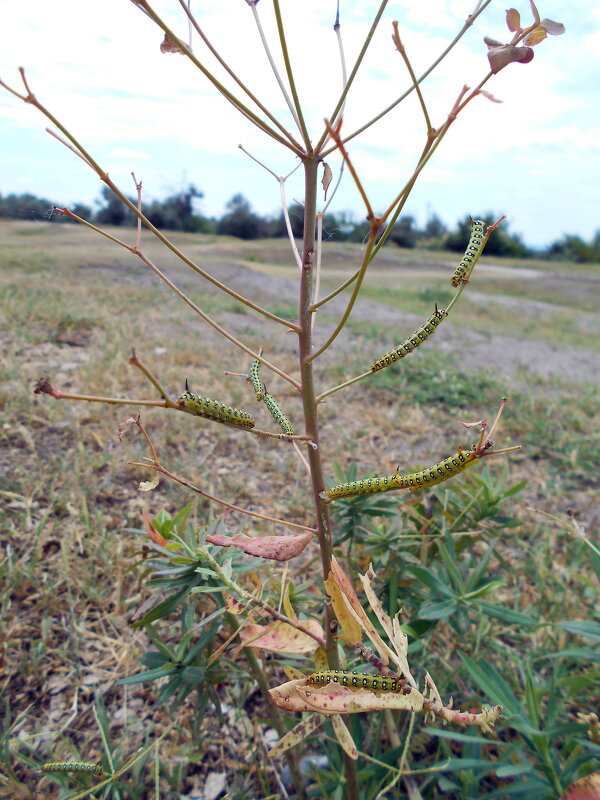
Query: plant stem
[(311, 163)]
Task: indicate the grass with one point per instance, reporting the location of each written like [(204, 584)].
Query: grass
[(74, 306)]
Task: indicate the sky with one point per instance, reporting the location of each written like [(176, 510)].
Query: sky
[(98, 67)]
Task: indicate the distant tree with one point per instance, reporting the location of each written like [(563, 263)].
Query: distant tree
[(24, 206), (176, 212), (113, 212), (240, 221), (404, 233), (81, 210), (500, 243), (435, 228), (574, 248), (296, 213)]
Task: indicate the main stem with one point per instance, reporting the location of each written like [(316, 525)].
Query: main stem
[(311, 165)]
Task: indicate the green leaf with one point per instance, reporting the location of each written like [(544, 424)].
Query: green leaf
[(506, 614), (149, 675), (427, 577), (590, 630), (484, 589), (441, 610)]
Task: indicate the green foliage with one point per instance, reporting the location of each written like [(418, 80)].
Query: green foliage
[(500, 243), (240, 221)]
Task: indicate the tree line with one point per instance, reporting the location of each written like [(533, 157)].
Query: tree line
[(177, 212)]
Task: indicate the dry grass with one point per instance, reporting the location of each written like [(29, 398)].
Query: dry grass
[(73, 306)]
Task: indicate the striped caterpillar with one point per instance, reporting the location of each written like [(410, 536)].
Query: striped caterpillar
[(413, 341), (72, 766), (255, 380), (430, 476), (356, 680), (277, 413), (472, 252), (417, 480), (213, 409)]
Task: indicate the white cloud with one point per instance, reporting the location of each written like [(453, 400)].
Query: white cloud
[(99, 68)]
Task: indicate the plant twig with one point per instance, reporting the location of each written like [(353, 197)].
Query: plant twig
[(290, 76), (155, 465), (31, 99), (223, 331), (468, 22), (193, 21)]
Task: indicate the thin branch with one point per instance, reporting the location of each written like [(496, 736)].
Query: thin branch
[(135, 362), (468, 22), (267, 49), (183, 296), (240, 83), (355, 68), (402, 50), (45, 386), (235, 101), (31, 98), (138, 186), (290, 75), (284, 209), (159, 468), (323, 395)]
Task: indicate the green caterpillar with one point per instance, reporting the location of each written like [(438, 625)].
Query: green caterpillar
[(472, 252), (355, 680), (72, 766), (413, 341), (277, 413), (255, 380), (212, 409), (417, 480)]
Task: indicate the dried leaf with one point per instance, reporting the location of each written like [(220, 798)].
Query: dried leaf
[(147, 486), (156, 537), (513, 20), (169, 46), (344, 738), (500, 57), (297, 734), (553, 28), (336, 699), (327, 178), (124, 427), (351, 630), (536, 36), (535, 12), (277, 548), (281, 638), (288, 608), (587, 788)]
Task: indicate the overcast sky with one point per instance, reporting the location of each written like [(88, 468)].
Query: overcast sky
[(98, 67)]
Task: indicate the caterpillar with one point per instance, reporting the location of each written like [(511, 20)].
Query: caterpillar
[(277, 413), (255, 380), (212, 409), (72, 766), (356, 680), (364, 486), (472, 252), (437, 473), (413, 341)]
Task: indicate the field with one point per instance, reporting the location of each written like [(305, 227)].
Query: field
[(74, 305)]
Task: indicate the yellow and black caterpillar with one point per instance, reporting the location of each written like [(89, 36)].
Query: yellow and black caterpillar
[(213, 409), (356, 680), (277, 413), (472, 252), (255, 380), (413, 341), (417, 480), (72, 766)]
